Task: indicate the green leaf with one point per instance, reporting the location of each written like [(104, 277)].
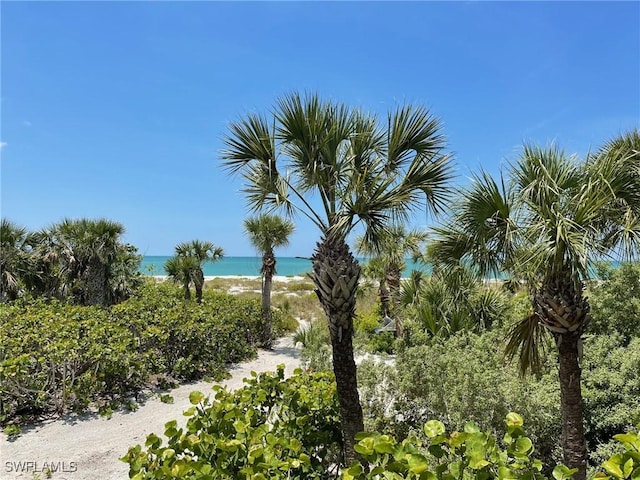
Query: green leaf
[(505, 473), (627, 468), (524, 445), (562, 472), (417, 464), (514, 419), (433, 428), (196, 397)]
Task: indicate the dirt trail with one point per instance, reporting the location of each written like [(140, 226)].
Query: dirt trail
[(88, 447)]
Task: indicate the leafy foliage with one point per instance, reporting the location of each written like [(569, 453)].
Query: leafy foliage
[(626, 464), (273, 428), (464, 378), (57, 356), (467, 454), (615, 301), (83, 261)]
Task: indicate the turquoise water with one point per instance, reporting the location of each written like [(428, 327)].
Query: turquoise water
[(247, 266)]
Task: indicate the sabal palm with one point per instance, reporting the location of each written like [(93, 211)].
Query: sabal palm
[(199, 252), (267, 232), (84, 248), (546, 224), (16, 262), (180, 270), (391, 252), (336, 166)]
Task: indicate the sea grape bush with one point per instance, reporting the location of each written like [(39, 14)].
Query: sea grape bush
[(470, 454), (272, 428), (277, 428), (626, 464), (55, 356)]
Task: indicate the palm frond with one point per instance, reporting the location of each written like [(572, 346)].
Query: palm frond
[(526, 340)]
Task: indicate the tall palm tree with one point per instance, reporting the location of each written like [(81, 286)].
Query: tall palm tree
[(267, 232), (85, 248), (199, 252), (391, 253), (546, 223), (336, 166)]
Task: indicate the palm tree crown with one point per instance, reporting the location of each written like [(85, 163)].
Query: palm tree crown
[(186, 266)]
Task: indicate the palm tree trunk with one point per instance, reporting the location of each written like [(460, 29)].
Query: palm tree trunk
[(563, 309), (198, 284), (336, 274), (393, 277), (573, 439), (96, 274), (185, 288), (383, 293), (268, 269)]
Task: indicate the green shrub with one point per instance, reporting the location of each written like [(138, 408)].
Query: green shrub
[(316, 346), (467, 454), (615, 302), (465, 378), (271, 428), (55, 356), (625, 464), (459, 379), (611, 392)]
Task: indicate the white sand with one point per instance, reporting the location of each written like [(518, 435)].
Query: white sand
[(276, 278), (89, 446)]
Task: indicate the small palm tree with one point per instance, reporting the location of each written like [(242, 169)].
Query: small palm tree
[(267, 232), (390, 255), (181, 270), (198, 252), (547, 223), (336, 166)]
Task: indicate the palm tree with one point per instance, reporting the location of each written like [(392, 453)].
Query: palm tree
[(16, 265), (336, 166), (546, 223), (199, 252), (267, 232), (85, 249), (181, 270), (390, 253)]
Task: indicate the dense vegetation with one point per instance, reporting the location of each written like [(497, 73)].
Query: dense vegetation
[(277, 428), (451, 364), (58, 356), (80, 261)]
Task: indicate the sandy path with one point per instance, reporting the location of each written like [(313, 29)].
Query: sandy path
[(88, 447)]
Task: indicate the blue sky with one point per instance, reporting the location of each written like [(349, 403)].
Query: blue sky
[(118, 109)]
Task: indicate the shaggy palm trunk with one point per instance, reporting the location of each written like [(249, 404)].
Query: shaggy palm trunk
[(198, 284), (563, 310), (96, 286), (383, 293), (336, 274), (268, 270), (185, 288), (393, 276)]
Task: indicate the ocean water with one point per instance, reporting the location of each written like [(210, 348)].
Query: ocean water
[(246, 266)]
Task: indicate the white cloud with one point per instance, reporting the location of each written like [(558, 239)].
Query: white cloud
[(3, 144)]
